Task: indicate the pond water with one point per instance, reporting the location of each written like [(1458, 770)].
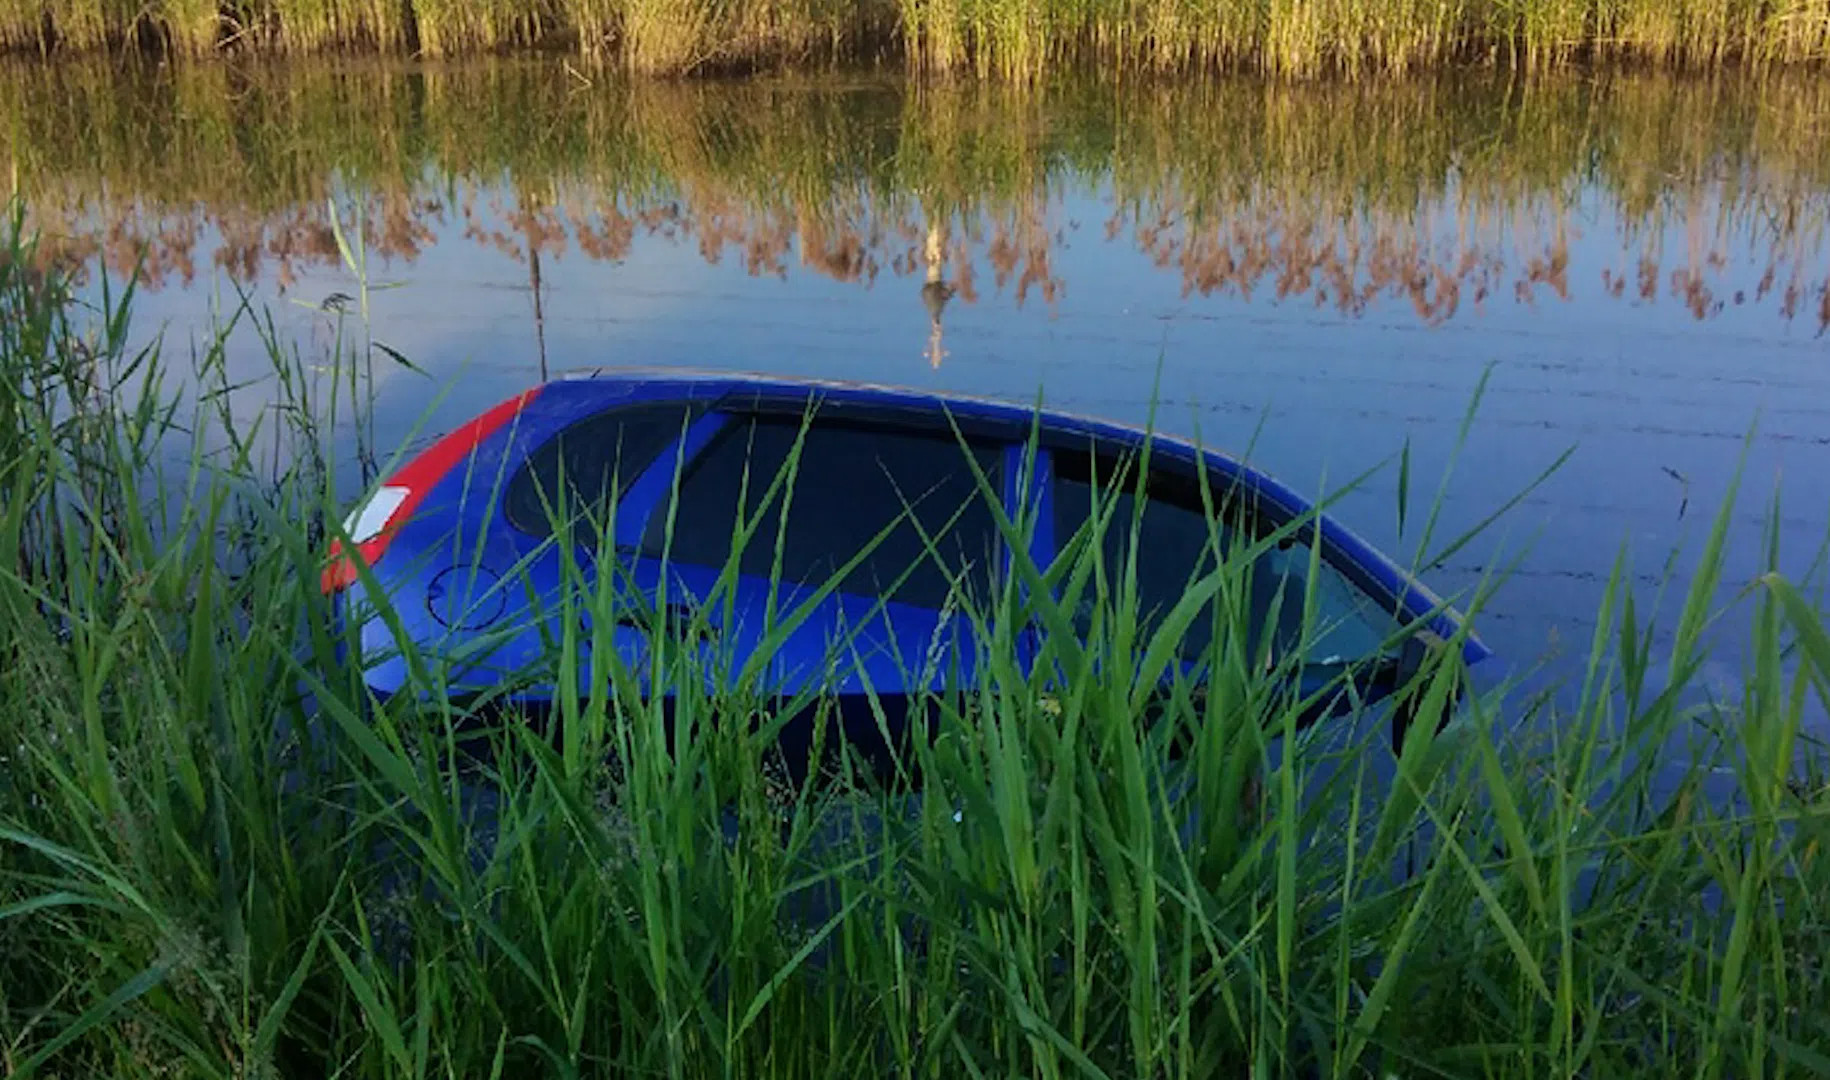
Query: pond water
[(1637, 264)]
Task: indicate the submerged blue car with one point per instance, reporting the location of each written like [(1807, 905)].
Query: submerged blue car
[(465, 538)]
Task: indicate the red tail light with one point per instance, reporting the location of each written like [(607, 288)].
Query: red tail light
[(372, 523)]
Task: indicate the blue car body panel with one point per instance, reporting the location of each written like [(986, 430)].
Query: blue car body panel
[(458, 573)]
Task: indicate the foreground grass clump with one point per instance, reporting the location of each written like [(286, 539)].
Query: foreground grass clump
[(1010, 38), (218, 859)]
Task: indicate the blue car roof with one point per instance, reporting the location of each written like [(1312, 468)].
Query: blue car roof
[(602, 386)]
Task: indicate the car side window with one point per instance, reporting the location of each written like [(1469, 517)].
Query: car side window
[(851, 481), (589, 462), (1175, 546), (1349, 624)]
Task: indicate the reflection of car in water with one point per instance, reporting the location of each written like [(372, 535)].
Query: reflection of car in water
[(461, 537)]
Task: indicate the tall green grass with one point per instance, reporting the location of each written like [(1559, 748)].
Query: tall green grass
[(1015, 39), (219, 857)]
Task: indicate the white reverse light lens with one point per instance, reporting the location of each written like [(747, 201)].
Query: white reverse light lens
[(366, 521)]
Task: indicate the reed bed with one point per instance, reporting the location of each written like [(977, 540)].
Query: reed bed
[(1012, 39), (221, 858)]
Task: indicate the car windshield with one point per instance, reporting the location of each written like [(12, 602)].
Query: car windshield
[(851, 481)]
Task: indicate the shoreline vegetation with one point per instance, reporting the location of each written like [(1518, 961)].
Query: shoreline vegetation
[(1443, 193), (220, 858), (1007, 39)]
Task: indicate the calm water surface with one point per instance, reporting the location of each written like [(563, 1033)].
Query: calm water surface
[(1319, 275)]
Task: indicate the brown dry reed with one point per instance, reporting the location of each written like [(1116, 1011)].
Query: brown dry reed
[(1013, 39)]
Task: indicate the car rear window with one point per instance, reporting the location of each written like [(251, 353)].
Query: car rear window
[(593, 459), (853, 480)]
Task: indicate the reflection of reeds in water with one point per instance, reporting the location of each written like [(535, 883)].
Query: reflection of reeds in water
[(1020, 39), (1448, 197)]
